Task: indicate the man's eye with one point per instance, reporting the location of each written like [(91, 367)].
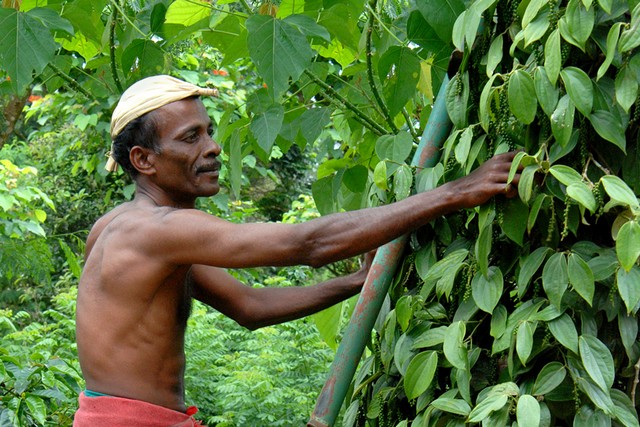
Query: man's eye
[(191, 137)]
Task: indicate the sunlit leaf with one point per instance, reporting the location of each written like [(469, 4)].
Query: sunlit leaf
[(528, 411), (380, 175), (26, 46)]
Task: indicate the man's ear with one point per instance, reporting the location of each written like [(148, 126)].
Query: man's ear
[(143, 160)]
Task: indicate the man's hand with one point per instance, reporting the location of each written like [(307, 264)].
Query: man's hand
[(487, 181), (365, 265)]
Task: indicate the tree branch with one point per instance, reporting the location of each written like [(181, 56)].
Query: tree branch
[(12, 112), (71, 82), (372, 83), (112, 48), (636, 380), (407, 119), (335, 96)]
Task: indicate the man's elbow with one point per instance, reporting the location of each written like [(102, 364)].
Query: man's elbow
[(251, 324), (250, 319)]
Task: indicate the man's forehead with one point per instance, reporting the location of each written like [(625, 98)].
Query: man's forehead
[(182, 115)]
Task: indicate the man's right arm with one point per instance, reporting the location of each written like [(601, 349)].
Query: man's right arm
[(192, 237), (254, 307)]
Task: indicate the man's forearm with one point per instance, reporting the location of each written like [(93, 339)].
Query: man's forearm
[(277, 305), (343, 235), (338, 236)]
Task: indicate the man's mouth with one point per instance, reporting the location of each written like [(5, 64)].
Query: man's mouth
[(210, 168)]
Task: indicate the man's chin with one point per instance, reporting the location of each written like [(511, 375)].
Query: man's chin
[(212, 191)]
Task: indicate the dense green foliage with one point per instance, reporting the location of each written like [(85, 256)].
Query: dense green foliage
[(524, 310)]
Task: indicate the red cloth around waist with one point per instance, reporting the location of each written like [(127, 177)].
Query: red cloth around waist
[(108, 411)]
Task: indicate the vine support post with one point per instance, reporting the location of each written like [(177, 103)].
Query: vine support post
[(376, 286)]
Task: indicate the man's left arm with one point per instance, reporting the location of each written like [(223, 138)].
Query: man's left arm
[(254, 308)]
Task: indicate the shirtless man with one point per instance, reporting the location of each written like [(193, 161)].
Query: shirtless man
[(148, 258)]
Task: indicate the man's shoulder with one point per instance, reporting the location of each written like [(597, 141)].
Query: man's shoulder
[(124, 219)]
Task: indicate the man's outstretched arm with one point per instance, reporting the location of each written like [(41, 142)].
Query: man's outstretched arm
[(257, 307), (192, 237)]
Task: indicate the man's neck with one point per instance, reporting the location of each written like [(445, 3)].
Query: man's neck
[(152, 193)]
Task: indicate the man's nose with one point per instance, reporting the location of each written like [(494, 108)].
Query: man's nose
[(213, 148)]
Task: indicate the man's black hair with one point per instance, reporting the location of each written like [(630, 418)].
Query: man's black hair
[(142, 132)]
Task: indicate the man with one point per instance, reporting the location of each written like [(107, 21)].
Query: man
[(147, 258)]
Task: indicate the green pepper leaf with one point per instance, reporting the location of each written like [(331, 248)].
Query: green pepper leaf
[(579, 88), (628, 288), (549, 377), (581, 277), (528, 411), (521, 92), (555, 278), (420, 373), (564, 330), (597, 361), (628, 244), (486, 291)]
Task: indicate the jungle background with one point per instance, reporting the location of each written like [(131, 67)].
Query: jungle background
[(521, 312)]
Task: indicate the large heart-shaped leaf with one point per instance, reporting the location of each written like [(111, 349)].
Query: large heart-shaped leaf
[(399, 67), (279, 50), (26, 47), (265, 126)]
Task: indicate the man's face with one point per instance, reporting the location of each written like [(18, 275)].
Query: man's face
[(187, 166)]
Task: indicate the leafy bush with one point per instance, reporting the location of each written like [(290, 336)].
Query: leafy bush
[(39, 373), (525, 310), (270, 376)]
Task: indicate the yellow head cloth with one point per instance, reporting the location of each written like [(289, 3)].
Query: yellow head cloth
[(147, 95)]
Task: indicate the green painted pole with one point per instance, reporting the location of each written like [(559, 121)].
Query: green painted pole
[(376, 286)]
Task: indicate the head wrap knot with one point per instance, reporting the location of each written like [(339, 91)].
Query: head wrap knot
[(147, 95)]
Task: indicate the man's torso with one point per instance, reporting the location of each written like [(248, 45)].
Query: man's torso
[(132, 310)]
